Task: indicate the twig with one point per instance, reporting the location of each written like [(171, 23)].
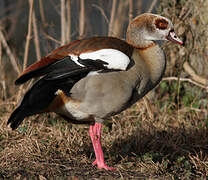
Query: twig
[(193, 109), (10, 7), (68, 27), (55, 7), (148, 107), (14, 19), (36, 39), (2, 75), (8, 103), (9, 52), (152, 6), (81, 19), (1, 65), (118, 23), (102, 12), (113, 10), (50, 37), (187, 80), (27, 44), (130, 10), (139, 6), (194, 76), (42, 14), (44, 28), (63, 23)]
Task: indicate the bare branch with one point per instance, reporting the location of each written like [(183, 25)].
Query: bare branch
[(63, 22), (118, 23), (36, 38), (193, 74), (187, 80), (1, 65), (42, 14), (27, 44), (130, 10), (8, 103), (81, 19), (102, 12), (9, 53), (139, 6), (68, 27), (113, 10), (14, 19), (148, 107), (51, 38), (2, 76), (152, 6)]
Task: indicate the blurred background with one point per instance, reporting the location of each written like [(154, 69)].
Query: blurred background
[(176, 114)]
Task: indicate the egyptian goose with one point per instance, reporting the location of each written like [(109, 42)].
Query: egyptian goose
[(89, 80)]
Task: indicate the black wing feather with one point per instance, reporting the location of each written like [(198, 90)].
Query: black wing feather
[(60, 64), (93, 64), (60, 75)]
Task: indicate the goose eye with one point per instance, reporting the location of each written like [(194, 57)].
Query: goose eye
[(161, 24)]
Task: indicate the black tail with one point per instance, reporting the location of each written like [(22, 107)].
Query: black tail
[(36, 99), (16, 118), (42, 93)]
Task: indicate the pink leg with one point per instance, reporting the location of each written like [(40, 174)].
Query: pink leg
[(95, 134)]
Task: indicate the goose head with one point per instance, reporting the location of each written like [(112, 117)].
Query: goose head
[(146, 28)]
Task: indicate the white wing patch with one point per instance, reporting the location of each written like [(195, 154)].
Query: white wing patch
[(75, 59), (115, 58)]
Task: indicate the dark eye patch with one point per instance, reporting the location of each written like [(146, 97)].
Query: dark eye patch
[(161, 24)]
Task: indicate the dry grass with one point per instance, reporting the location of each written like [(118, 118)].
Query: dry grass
[(171, 145), (168, 147)]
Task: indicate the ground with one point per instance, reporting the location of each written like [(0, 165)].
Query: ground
[(172, 145)]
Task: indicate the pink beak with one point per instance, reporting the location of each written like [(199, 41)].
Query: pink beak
[(173, 38)]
